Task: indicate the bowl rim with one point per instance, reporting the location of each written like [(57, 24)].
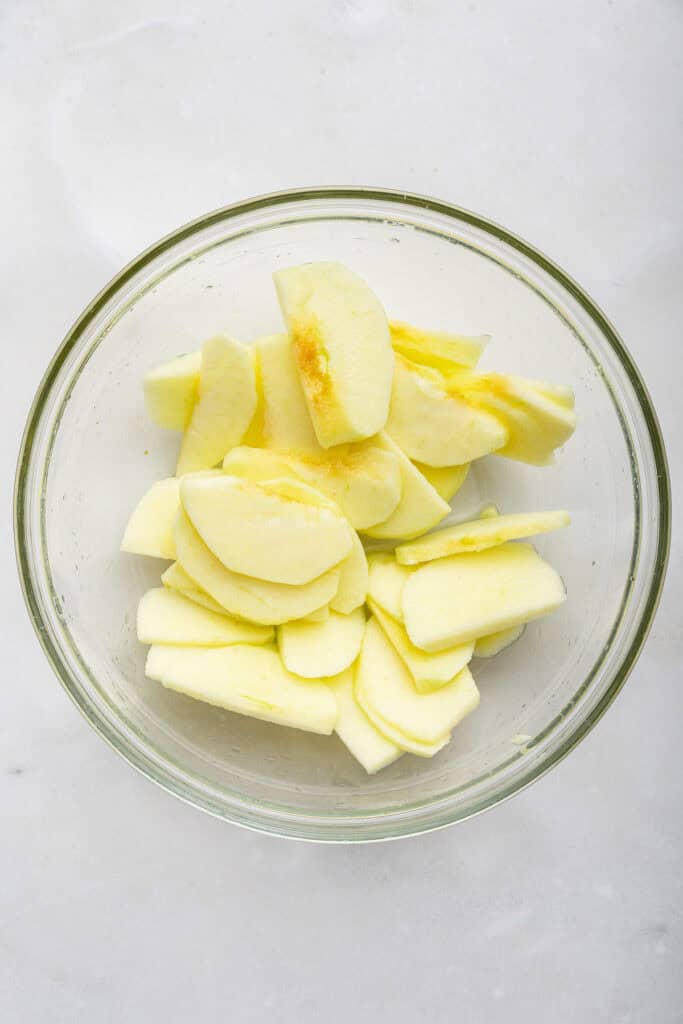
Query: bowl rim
[(327, 829)]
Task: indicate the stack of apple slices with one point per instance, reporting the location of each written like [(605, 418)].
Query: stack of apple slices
[(347, 425)]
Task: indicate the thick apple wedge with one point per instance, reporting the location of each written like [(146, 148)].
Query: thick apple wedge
[(340, 337), (369, 747), (479, 534), (420, 507), (225, 405), (321, 649), (171, 391), (494, 643), (269, 604), (176, 579), (434, 426), (446, 480), (168, 618), (249, 680), (255, 530), (384, 685), (445, 352), (150, 527), (429, 671), (286, 421), (386, 580), (353, 579), (461, 598)]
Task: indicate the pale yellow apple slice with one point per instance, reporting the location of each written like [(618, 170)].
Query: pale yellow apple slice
[(434, 426), (383, 684), (340, 337), (420, 507), (353, 579), (479, 534), (356, 731), (460, 598), (406, 743), (249, 680), (386, 580), (177, 580), (286, 422), (171, 391), (320, 649), (253, 529), (225, 405), (446, 480), (168, 618), (443, 351), (254, 435), (150, 528), (494, 643), (429, 671), (255, 600)]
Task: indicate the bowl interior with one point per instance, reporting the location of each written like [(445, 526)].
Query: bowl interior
[(92, 453)]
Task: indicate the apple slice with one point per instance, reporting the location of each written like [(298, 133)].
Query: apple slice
[(340, 337), (225, 406), (406, 743), (429, 671), (171, 391), (494, 643), (446, 480), (150, 528), (249, 680), (384, 685), (286, 423), (479, 534), (168, 618), (434, 426), (357, 732), (319, 615), (255, 530), (353, 579), (445, 352), (420, 507), (176, 579), (321, 649), (254, 435), (256, 600), (461, 598), (386, 580)]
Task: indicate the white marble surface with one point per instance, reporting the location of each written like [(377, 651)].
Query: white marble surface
[(120, 121)]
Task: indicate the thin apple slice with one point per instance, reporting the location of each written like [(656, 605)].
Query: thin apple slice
[(406, 743), (445, 352), (356, 731), (171, 391), (224, 408), (446, 480), (286, 423), (319, 615), (420, 507), (176, 579), (429, 671), (434, 426), (494, 643), (249, 680), (384, 685), (479, 534), (461, 598), (386, 580), (150, 528), (255, 530), (320, 649), (168, 618), (353, 579), (341, 343), (269, 604)]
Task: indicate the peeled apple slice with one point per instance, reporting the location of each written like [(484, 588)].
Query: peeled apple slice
[(224, 408), (168, 618), (434, 426), (420, 507), (256, 600), (386, 580), (446, 480), (320, 615), (357, 732), (406, 743), (494, 643), (341, 343), (171, 391), (384, 685), (457, 599), (150, 528), (313, 650), (256, 531), (443, 351), (176, 579), (249, 680), (353, 579), (286, 422), (429, 671), (479, 534)]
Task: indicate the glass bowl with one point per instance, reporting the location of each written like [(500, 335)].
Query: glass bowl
[(89, 453)]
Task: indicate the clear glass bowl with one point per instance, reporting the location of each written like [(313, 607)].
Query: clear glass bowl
[(89, 453)]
